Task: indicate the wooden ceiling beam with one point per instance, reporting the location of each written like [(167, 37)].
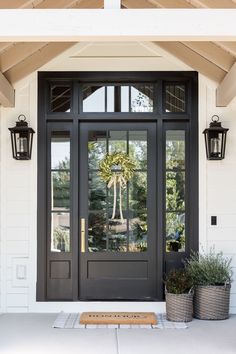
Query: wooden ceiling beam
[(7, 93), (138, 4), (214, 4), (17, 53), (36, 60), (213, 53), (230, 47), (173, 4), (19, 4), (226, 91), (194, 60)]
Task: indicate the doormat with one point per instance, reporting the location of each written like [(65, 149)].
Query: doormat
[(129, 318), (72, 321)]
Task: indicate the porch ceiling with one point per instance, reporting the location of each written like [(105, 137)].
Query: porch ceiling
[(215, 60)]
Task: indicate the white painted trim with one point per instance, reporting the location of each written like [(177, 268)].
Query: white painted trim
[(112, 4), (73, 25)]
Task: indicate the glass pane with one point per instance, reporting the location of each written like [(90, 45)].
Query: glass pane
[(117, 141), (142, 98), (175, 97), (117, 234), (138, 230), (175, 232), (124, 98), (60, 98), (138, 148), (97, 231), (60, 232), (96, 148), (138, 191), (60, 190), (60, 150), (175, 191), (93, 99), (175, 149), (110, 99), (97, 192), (118, 214)]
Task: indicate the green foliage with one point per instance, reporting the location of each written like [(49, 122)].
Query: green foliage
[(209, 268), (178, 282), (118, 163)]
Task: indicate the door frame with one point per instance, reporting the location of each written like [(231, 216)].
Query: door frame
[(73, 118)]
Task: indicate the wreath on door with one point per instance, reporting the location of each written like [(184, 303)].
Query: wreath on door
[(117, 169)]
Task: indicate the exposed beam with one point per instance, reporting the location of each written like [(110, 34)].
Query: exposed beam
[(213, 53), (215, 4), (21, 4), (138, 4), (194, 60), (172, 4), (7, 93), (17, 53), (118, 25), (226, 91), (228, 46), (36, 60)]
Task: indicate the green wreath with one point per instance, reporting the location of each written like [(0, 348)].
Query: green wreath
[(117, 169)]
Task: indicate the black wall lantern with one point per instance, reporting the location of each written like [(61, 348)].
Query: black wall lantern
[(215, 140), (21, 139)]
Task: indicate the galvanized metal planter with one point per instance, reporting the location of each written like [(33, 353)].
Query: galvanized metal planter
[(212, 302), (179, 307)]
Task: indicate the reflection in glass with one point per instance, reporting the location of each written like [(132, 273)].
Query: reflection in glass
[(60, 190), (175, 96), (117, 235), (175, 149), (138, 191), (96, 148), (175, 232), (138, 230), (175, 191), (117, 141), (60, 98), (108, 232), (138, 148), (96, 231), (60, 232), (96, 192), (60, 150), (142, 98), (93, 99)]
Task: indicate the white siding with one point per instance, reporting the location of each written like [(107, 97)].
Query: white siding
[(18, 186)]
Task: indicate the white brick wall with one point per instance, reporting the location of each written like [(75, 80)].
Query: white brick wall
[(18, 186)]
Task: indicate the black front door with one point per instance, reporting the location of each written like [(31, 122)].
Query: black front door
[(118, 239)]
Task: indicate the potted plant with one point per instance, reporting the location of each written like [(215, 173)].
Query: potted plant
[(211, 274), (179, 296)]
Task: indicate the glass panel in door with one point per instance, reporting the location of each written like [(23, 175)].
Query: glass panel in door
[(117, 214)]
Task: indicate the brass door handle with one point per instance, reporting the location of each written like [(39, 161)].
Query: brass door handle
[(82, 235)]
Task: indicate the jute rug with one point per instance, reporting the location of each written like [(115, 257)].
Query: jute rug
[(72, 321), (129, 318)]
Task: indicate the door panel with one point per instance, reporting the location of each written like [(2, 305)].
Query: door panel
[(118, 245)]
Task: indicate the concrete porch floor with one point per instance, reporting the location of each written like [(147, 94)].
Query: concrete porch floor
[(33, 334)]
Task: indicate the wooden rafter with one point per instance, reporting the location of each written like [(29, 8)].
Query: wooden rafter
[(230, 47), (7, 93), (215, 4), (173, 4), (36, 60), (226, 91), (138, 4), (17, 53), (193, 59), (213, 53)]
